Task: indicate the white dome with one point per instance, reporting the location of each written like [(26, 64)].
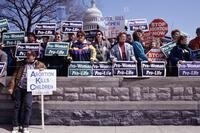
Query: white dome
[(92, 17)]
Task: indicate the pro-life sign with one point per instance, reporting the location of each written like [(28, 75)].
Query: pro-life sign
[(136, 24), (13, 38), (189, 69), (125, 69), (102, 69), (71, 26), (154, 69), (45, 29), (4, 25), (41, 82), (23, 48), (58, 48), (2, 67)]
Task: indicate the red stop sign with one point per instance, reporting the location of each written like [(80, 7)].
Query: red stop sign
[(158, 28)]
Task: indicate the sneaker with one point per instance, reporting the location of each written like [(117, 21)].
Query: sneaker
[(25, 130), (15, 130)]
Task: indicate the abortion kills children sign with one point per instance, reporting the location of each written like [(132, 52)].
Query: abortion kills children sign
[(23, 48), (102, 69), (57, 48), (80, 68), (45, 29), (154, 69), (41, 82), (71, 26), (158, 28), (125, 69), (189, 69)]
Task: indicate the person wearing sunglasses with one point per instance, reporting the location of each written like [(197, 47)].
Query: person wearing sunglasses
[(102, 47), (82, 50)]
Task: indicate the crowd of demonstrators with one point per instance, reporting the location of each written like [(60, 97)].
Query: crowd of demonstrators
[(82, 50), (123, 47), (102, 47), (122, 51), (180, 53), (17, 87), (195, 43)]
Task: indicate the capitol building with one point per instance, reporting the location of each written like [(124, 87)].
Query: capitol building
[(92, 18)]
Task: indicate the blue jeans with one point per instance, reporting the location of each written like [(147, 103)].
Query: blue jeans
[(23, 105)]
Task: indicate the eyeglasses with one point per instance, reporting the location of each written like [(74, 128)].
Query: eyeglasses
[(98, 34), (80, 35)]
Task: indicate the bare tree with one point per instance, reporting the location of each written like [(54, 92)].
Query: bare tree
[(25, 13)]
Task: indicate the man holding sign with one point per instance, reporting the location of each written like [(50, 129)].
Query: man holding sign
[(18, 89)]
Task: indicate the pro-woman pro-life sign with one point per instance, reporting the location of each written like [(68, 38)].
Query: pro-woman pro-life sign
[(41, 82)]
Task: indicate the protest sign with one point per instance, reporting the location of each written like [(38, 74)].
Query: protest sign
[(45, 29), (102, 69), (125, 69), (71, 26), (158, 28), (189, 69), (41, 82), (2, 67), (90, 34), (155, 54), (13, 38), (114, 24), (154, 69), (23, 48), (4, 25), (80, 68), (57, 48), (136, 24), (166, 49)]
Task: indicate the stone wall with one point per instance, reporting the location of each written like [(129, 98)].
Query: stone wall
[(116, 101)]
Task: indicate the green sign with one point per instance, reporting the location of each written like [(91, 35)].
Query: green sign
[(57, 48), (79, 68), (4, 25), (13, 38), (166, 49)]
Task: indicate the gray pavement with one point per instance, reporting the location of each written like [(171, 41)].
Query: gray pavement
[(111, 129)]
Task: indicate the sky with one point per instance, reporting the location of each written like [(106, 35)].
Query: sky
[(181, 14)]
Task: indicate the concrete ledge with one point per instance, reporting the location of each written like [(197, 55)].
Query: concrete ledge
[(142, 105)]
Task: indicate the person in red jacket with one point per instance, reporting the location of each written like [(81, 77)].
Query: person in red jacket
[(195, 43)]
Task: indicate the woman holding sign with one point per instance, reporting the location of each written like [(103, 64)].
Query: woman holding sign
[(122, 51), (181, 52), (138, 49), (18, 89)]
